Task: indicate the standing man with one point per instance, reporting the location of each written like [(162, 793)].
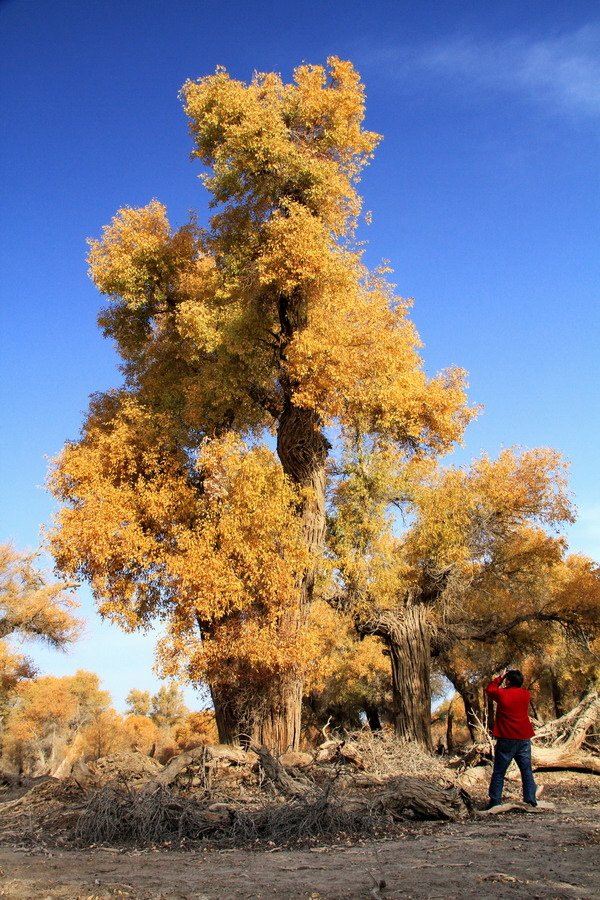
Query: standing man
[(513, 732)]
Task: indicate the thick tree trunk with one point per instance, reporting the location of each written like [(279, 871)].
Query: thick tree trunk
[(302, 450), (234, 722), (277, 724), (408, 642)]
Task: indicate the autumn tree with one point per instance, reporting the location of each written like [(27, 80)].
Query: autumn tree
[(559, 655), (48, 713), (168, 706), (349, 679), (32, 608), (473, 563), (139, 703), (266, 321)]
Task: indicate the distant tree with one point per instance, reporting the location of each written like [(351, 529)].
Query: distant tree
[(140, 733), (104, 735), (48, 713), (196, 729), (139, 703), (31, 607), (266, 322), (168, 706)]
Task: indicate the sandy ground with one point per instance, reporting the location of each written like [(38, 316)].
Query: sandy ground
[(547, 854)]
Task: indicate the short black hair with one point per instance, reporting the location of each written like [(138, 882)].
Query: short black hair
[(514, 678)]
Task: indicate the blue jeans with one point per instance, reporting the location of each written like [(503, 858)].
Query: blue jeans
[(508, 749)]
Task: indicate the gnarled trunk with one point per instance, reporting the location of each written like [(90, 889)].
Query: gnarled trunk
[(408, 642), (302, 449)]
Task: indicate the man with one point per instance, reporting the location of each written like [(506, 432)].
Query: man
[(513, 732)]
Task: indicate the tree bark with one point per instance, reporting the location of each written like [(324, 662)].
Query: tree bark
[(278, 719), (233, 724), (408, 642), (302, 450)]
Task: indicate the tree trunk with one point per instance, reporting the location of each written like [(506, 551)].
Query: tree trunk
[(233, 725), (470, 698), (449, 730), (302, 450), (271, 717), (557, 698), (277, 723), (372, 714), (408, 643)]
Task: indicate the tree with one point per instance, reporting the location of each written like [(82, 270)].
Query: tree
[(168, 706), (139, 703), (265, 322), (30, 606), (48, 713), (350, 678), (473, 564), (558, 652)]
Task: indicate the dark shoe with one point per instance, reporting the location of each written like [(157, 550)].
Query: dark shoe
[(490, 805), (530, 802)]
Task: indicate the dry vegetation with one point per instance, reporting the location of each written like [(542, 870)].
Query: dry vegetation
[(368, 817)]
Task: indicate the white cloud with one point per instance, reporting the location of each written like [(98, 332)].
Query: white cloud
[(562, 72)]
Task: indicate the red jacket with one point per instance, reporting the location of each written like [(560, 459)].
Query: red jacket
[(512, 705)]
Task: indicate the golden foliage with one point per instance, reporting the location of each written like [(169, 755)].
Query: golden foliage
[(196, 729), (30, 606), (483, 524), (225, 552)]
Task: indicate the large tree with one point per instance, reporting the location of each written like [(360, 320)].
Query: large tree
[(265, 321)]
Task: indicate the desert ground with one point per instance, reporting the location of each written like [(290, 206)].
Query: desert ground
[(550, 853)]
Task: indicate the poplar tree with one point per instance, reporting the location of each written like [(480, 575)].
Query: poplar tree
[(266, 321)]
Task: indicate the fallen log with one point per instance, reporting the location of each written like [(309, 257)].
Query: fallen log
[(201, 756), (557, 745)]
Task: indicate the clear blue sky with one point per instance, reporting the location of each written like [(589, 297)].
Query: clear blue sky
[(485, 198)]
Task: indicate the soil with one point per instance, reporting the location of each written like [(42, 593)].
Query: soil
[(550, 853)]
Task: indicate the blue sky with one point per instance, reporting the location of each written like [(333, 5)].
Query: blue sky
[(485, 198)]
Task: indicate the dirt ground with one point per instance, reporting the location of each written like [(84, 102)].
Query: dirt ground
[(546, 854)]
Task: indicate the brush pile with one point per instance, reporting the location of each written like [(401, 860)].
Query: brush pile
[(231, 797)]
